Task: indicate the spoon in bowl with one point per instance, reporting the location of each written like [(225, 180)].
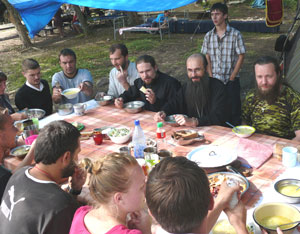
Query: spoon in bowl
[(296, 222), (235, 129)]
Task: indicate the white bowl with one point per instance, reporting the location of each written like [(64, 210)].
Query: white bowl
[(71, 93), (119, 139), (243, 131)]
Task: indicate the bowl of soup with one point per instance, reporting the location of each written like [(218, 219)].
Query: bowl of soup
[(288, 190), (70, 93), (270, 215), (243, 131)]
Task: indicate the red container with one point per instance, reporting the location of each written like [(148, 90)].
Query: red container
[(98, 138)]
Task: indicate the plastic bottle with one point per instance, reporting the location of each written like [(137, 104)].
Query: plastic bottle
[(160, 136), (234, 200), (138, 140)]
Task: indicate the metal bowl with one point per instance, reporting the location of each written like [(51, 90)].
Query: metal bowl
[(104, 100), (35, 113), (279, 185), (134, 107), (277, 209), (20, 151), (170, 120), (65, 109)]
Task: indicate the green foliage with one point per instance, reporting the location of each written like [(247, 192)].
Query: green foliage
[(290, 4)]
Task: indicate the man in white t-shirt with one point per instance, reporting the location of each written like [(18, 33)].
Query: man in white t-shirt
[(124, 73), (71, 77)]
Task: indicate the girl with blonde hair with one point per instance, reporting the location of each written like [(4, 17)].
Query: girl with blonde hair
[(117, 185)]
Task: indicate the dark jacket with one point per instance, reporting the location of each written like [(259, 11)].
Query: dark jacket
[(214, 113), (164, 87)]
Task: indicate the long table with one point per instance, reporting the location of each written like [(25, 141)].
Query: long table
[(260, 180)]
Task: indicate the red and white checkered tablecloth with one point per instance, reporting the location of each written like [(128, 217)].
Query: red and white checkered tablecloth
[(102, 116)]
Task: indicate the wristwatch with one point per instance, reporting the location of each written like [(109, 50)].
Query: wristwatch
[(73, 191)]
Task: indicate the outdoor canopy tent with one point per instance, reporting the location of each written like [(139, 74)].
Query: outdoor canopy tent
[(36, 14)]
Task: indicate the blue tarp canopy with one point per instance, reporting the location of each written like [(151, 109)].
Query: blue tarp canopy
[(36, 14)]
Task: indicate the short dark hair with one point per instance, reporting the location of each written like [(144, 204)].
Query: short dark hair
[(266, 60), (146, 59), (67, 52), (121, 47), (29, 64), (54, 140), (3, 77), (178, 194), (221, 7)]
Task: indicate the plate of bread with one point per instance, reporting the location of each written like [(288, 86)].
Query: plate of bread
[(187, 137)]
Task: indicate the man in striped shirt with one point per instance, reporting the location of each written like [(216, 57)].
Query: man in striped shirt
[(224, 49)]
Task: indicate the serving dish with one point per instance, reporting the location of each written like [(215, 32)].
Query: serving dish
[(223, 226), (170, 120), (187, 137), (134, 107), (119, 135), (216, 179), (269, 215), (65, 109), (104, 100), (210, 156), (243, 131), (20, 151), (35, 113), (70, 93), (287, 190)]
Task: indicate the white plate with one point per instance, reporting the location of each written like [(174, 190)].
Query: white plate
[(208, 156)]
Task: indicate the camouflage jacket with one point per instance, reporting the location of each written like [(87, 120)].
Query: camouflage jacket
[(280, 119)]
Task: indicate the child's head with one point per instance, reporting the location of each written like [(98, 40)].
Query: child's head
[(178, 195), (118, 178)]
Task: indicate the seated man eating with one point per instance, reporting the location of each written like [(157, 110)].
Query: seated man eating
[(202, 98), (153, 87)]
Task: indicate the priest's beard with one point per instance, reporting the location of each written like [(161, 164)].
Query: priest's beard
[(197, 96), (271, 95)]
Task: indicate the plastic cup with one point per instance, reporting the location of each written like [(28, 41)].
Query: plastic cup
[(289, 156), (98, 138)]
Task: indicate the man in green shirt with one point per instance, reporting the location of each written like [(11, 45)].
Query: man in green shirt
[(272, 108)]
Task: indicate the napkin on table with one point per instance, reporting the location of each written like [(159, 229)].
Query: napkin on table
[(254, 153)]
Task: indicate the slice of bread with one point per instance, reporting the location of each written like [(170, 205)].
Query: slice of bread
[(186, 135), (143, 89)]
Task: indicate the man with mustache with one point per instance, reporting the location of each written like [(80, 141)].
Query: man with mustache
[(43, 207), (35, 93), (272, 108), (8, 134), (124, 73), (202, 98), (153, 87), (71, 77)]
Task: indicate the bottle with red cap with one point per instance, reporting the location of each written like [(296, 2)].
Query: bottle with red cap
[(160, 136)]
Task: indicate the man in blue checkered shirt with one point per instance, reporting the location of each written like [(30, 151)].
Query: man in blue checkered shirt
[(224, 49)]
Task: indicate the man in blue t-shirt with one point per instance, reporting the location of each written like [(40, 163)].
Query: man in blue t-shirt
[(71, 77)]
